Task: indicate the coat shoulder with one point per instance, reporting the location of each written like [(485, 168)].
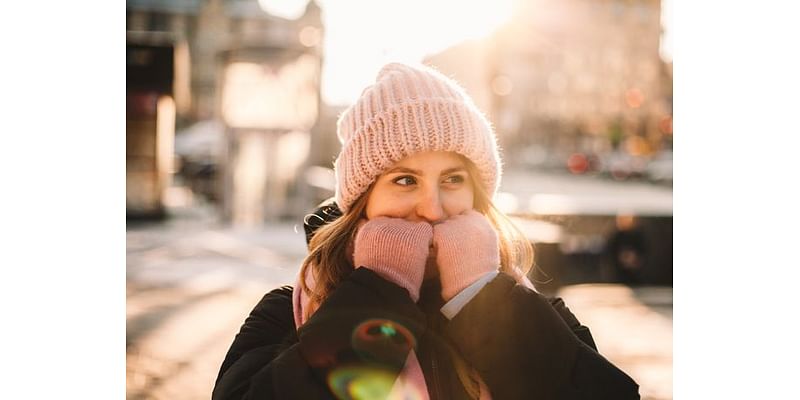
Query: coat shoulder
[(269, 324), (277, 302)]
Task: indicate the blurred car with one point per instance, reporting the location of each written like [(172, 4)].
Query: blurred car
[(622, 166), (583, 163), (199, 149), (539, 157)]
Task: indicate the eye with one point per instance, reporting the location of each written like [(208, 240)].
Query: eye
[(454, 179), (405, 180)]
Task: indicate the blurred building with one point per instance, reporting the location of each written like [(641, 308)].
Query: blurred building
[(151, 90), (571, 76), (252, 79), (319, 177), (210, 27)]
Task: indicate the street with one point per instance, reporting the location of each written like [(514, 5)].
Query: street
[(190, 285)]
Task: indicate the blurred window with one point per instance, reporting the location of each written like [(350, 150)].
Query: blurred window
[(159, 22)]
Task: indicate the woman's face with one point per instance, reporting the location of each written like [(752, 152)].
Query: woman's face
[(430, 186)]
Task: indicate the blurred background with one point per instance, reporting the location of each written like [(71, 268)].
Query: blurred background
[(231, 108)]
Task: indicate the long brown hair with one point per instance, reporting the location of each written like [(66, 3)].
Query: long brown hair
[(327, 256)]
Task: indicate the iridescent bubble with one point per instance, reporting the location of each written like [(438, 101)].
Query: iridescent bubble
[(367, 383), (355, 382), (383, 341)]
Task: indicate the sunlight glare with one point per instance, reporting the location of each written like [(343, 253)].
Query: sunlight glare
[(289, 9), (362, 36)]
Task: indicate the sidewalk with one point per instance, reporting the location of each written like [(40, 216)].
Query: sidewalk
[(190, 285), (632, 327)]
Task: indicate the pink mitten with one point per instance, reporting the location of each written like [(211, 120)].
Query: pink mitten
[(467, 248), (395, 249)]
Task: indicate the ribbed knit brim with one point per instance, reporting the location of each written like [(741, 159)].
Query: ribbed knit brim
[(406, 111)]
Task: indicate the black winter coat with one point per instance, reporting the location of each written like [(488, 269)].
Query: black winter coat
[(523, 345)]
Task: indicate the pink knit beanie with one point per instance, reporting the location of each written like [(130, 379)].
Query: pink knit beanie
[(406, 111)]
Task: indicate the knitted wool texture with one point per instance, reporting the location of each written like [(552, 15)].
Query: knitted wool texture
[(410, 109), (461, 265), (395, 249)]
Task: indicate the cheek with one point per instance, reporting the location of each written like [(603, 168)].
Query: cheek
[(455, 203), (382, 204)]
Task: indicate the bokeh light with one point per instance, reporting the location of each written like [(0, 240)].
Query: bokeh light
[(501, 85), (577, 163), (665, 125), (383, 341), (634, 98), (356, 382), (310, 36)]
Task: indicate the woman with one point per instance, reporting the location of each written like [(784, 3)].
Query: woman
[(414, 284)]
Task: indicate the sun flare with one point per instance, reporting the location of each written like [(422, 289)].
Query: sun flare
[(361, 36)]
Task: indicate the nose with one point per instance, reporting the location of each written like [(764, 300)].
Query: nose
[(429, 206)]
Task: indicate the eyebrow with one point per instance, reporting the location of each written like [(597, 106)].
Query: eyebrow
[(418, 172)]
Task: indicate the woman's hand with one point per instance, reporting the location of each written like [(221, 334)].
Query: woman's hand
[(395, 249), (467, 248)]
